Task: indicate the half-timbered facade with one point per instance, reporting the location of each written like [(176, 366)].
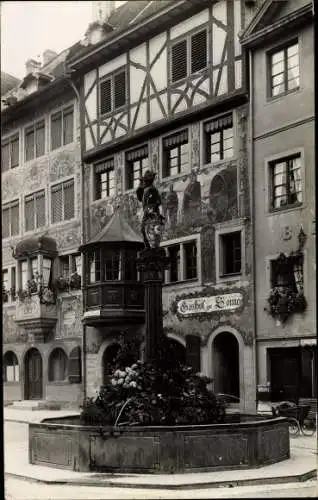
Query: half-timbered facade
[(41, 233), (168, 92), (280, 42)]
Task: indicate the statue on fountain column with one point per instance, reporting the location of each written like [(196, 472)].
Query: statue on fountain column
[(152, 221)]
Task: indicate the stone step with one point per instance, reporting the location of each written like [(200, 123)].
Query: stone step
[(31, 405)]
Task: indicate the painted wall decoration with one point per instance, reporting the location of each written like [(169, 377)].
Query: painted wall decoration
[(192, 199), (170, 205), (223, 196), (152, 96)]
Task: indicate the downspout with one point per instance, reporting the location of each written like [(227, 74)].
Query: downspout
[(70, 81), (252, 197)]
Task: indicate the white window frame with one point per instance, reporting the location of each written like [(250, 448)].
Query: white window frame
[(221, 230), (203, 140), (162, 150), (184, 281)]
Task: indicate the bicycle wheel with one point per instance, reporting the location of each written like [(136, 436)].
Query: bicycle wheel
[(308, 427), (294, 428)]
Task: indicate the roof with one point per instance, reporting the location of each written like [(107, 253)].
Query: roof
[(116, 231), (8, 82)]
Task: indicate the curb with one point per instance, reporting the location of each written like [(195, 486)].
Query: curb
[(306, 476)]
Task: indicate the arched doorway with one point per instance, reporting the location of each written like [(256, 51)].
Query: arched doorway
[(33, 373), (226, 372), (108, 361), (10, 367), (57, 370)]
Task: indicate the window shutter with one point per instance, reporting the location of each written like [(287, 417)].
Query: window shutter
[(5, 157), (56, 130), (15, 219), (198, 51), (68, 188), (105, 96), (174, 140), (68, 126), (29, 144), (15, 152), (5, 223), (219, 124), (40, 208), (179, 61), (56, 203), (193, 344), (120, 89), (40, 139), (29, 213), (75, 366)]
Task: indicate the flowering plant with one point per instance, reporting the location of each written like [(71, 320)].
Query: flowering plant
[(154, 394), (283, 301)]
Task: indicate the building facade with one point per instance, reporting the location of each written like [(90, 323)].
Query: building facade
[(41, 233), (168, 93), (280, 43)]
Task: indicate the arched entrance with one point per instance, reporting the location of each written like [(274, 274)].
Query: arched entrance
[(108, 361), (226, 373), (33, 375)]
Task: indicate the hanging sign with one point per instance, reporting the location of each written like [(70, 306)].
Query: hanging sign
[(210, 304)]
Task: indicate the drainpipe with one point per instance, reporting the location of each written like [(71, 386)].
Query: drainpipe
[(70, 81), (252, 197)]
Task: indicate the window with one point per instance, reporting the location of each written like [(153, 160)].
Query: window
[(62, 126), (24, 274), (183, 262), (286, 182), (94, 266), (287, 271), (62, 201), (57, 366), (5, 285), (35, 140), (231, 253), (70, 264), (10, 367), (10, 219), (112, 265), (137, 164), (34, 210), (219, 139), (104, 179), (189, 56), (10, 153), (113, 92), (284, 70), (176, 154)]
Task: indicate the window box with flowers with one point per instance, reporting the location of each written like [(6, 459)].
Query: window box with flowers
[(61, 284), (283, 302), (75, 281)]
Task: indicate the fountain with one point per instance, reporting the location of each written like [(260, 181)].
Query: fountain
[(156, 417)]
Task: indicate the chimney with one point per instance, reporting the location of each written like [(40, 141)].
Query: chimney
[(47, 56), (32, 66), (101, 11)]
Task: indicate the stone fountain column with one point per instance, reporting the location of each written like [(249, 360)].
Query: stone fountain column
[(151, 263)]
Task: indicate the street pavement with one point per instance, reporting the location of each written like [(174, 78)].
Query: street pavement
[(224, 484)]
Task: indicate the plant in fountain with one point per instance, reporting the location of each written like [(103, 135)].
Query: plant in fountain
[(159, 393)]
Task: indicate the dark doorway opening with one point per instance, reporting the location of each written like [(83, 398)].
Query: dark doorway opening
[(33, 384), (226, 364)]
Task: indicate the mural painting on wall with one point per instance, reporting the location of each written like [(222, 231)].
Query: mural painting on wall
[(223, 196), (170, 204), (192, 200), (62, 165)]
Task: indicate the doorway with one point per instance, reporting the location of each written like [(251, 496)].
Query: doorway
[(33, 388), (226, 375)]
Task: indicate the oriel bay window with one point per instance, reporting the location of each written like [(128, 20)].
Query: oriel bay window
[(286, 182), (137, 163), (176, 154), (219, 139), (34, 211), (104, 179), (10, 153)]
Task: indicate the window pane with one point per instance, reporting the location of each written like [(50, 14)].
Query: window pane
[(69, 200), (174, 257), (56, 130), (278, 68), (231, 250), (29, 145), (5, 223), (278, 79), (40, 209), (15, 220), (68, 126), (277, 57), (190, 255), (29, 214), (179, 61), (198, 51), (24, 274), (291, 51), (15, 152), (40, 140), (5, 157)]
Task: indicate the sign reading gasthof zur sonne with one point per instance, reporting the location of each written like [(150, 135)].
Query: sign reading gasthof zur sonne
[(214, 303)]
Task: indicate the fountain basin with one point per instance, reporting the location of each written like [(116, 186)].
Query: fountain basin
[(249, 441)]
